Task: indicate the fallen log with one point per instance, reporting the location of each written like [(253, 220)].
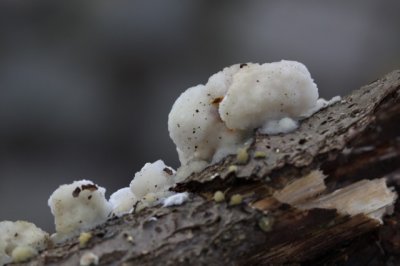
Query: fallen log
[(313, 196)]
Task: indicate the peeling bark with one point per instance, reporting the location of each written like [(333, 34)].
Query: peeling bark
[(351, 142)]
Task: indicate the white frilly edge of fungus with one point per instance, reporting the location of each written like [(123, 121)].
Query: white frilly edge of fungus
[(321, 104), (177, 199), (122, 201), (78, 207), (20, 240), (208, 122), (284, 125)]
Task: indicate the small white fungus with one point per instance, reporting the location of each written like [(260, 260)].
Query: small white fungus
[(284, 125), (88, 259), (122, 201), (20, 241), (77, 207), (176, 199), (321, 104), (153, 181), (260, 93)]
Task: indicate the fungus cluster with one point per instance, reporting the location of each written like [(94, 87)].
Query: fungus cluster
[(82, 205), (207, 122)]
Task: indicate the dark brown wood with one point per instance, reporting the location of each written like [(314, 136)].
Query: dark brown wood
[(357, 138)]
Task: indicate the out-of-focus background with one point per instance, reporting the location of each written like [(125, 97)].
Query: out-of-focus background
[(86, 86)]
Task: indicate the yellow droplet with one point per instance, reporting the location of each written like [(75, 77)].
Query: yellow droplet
[(236, 199), (84, 238), (23, 253), (260, 155), (219, 196), (232, 169), (242, 156), (266, 223)]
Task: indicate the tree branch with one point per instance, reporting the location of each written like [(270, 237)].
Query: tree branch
[(354, 140)]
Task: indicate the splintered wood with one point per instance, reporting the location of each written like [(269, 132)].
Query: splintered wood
[(302, 189), (369, 197)]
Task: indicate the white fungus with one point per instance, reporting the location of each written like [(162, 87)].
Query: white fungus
[(176, 199), (261, 93), (89, 258), (284, 125), (208, 122), (77, 207), (20, 241), (195, 125), (321, 104), (122, 201), (152, 182)]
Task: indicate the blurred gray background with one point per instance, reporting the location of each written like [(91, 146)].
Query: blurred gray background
[(86, 86)]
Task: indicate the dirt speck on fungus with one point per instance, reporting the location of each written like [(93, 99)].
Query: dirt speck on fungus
[(90, 187), (76, 192), (217, 100), (168, 171)]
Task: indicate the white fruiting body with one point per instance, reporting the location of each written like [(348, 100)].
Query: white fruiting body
[(261, 93), (176, 199), (122, 201), (17, 238), (78, 206), (284, 125), (153, 179), (209, 121)]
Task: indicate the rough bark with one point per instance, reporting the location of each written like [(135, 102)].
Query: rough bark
[(353, 140)]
